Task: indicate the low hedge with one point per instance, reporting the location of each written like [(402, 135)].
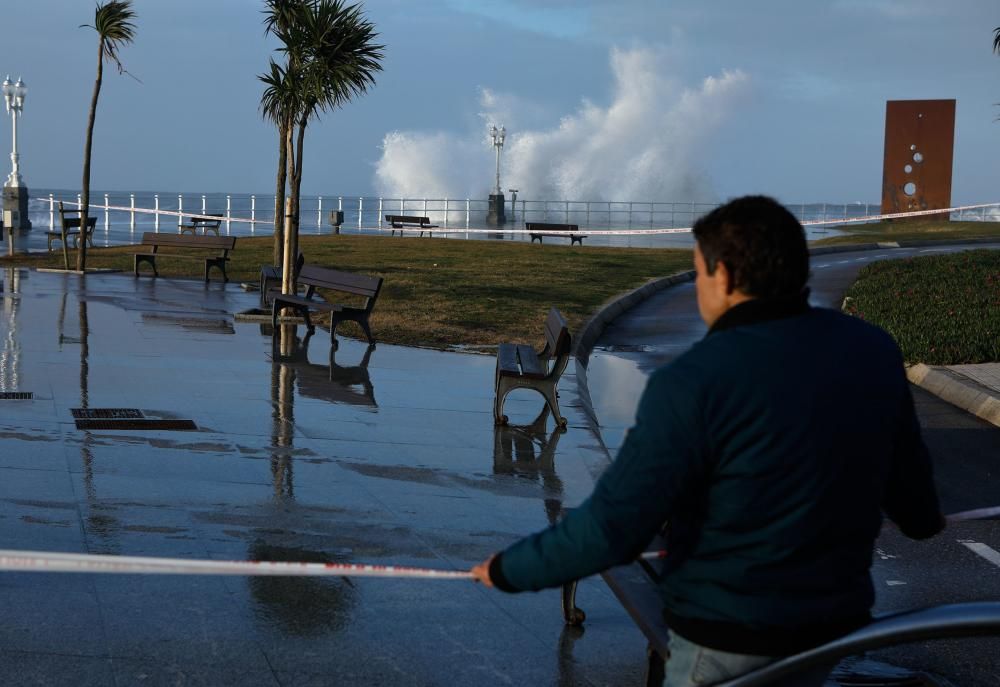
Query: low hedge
[(941, 309)]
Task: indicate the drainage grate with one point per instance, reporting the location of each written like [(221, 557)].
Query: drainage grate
[(16, 395), (107, 413), (182, 425)]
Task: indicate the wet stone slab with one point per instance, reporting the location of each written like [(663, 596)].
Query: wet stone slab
[(386, 455)]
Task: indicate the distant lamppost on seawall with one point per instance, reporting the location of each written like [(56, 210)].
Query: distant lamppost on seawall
[(15, 193), (495, 216)]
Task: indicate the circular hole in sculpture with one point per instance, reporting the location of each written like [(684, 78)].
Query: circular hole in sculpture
[(910, 188), (913, 147), (908, 168), (918, 157)]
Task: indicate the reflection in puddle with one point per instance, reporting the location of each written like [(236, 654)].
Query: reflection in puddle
[(616, 384), (529, 451), (333, 382), (300, 606)]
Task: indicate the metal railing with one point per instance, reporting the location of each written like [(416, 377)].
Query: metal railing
[(153, 210)]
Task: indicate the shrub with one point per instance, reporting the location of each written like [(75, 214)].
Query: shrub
[(941, 309)]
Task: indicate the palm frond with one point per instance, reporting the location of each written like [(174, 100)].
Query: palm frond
[(996, 40), (113, 23)]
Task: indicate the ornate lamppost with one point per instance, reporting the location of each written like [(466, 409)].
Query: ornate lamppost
[(15, 193), (495, 216)]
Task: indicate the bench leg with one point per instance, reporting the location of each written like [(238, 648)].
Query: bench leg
[(368, 332), (149, 259), (655, 668), (552, 399), (571, 614), (503, 387)]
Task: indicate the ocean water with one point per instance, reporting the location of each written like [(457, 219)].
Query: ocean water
[(630, 222)]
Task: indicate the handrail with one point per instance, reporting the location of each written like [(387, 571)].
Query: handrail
[(937, 622)]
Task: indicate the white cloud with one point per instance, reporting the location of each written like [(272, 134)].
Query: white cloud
[(645, 145)]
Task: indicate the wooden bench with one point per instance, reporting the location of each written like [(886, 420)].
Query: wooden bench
[(539, 229), (204, 223), (635, 587), (71, 228), (402, 221), (273, 273), (221, 245), (520, 366), (314, 277)]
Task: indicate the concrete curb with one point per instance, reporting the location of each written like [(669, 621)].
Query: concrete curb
[(855, 247), (585, 341), (595, 326), (957, 389)]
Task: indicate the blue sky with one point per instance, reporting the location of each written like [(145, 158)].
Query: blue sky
[(660, 100)]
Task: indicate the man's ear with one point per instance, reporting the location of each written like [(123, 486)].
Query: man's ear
[(723, 273)]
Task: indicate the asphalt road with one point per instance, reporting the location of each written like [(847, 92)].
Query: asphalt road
[(961, 564)]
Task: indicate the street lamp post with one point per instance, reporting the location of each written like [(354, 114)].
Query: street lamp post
[(495, 216), (15, 193)]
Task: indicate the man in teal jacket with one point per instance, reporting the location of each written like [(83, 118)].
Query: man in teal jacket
[(767, 454)]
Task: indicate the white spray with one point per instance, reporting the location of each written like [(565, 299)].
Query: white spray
[(646, 145)]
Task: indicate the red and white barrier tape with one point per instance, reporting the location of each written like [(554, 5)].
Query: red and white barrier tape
[(589, 232), (39, 561), (43, 561)]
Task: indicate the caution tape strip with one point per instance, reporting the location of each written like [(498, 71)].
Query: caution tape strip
[(44, 561)]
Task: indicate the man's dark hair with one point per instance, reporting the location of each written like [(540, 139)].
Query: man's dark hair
[(761, 243)]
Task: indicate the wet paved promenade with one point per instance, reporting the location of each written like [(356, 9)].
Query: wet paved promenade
[(393, 462)]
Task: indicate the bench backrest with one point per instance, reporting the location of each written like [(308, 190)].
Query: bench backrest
[(407, 219), (74, 222), (226, 243), (204, 221), (335, 280), (547, 226), (557, 338)]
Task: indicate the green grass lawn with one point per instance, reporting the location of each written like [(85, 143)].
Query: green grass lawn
[(941, 309), (913, 231), (443, 292), (446, 292)]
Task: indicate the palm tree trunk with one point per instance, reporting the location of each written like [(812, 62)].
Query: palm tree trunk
[(295, 187), (279, 196), (291, 224), (81, 256)]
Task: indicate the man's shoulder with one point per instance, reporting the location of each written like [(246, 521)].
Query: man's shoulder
[(836, 323)]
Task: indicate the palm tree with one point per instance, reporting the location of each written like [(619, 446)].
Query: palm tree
[(113, 23), (996, 40), (330, 58)]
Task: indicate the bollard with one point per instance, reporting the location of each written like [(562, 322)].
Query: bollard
[(180, 210), (156, 215), (131, 218), (107, 219)]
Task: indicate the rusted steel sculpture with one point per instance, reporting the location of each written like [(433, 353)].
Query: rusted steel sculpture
[(919, 143)]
